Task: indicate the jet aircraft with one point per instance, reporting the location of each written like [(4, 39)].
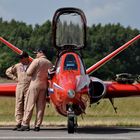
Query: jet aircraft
[(71, 87)]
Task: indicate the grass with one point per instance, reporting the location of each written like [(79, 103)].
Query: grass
[(4, 80), (102, 114), (128, 113)]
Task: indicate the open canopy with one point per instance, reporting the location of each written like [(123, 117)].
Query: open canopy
[(69, 29)]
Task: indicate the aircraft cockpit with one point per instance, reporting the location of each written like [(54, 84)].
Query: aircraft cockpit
[(69, 35), (70, 63)]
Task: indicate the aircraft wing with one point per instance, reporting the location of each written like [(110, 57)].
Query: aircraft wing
[(115, 89), (7, 89), (110, 90)]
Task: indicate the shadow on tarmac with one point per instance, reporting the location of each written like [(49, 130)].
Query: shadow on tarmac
[(89, 129), (98, 130), (107, 130)]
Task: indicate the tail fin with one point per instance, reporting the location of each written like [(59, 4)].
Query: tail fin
[(111, 55), (14, 48)]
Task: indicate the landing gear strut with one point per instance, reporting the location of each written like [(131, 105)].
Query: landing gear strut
[(72, 121)]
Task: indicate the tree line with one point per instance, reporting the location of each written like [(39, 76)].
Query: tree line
[(101, 40)]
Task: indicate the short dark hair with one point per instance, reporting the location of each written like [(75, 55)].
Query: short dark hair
[(23, 55), (40, 50)]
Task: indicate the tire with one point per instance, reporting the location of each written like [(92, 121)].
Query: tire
[(71, 125)]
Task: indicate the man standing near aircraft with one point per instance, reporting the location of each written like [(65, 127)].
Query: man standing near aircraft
[(38, 70), (18, 73)]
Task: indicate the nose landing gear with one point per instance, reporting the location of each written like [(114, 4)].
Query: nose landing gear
[(72, 120)]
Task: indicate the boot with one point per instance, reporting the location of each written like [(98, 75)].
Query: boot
[(24, 128), (37, 129), (17, 127)]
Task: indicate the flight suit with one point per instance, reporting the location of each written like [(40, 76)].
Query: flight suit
[(38, 70), (18, 73)]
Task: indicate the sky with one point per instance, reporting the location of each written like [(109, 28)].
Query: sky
[(125, 12)]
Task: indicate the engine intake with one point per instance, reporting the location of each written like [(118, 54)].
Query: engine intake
[(97, 89)]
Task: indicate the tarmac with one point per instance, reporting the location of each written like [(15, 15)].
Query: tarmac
[(82, 133)]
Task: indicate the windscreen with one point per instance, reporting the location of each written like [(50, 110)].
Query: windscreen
[(69, 30), (70, 63)]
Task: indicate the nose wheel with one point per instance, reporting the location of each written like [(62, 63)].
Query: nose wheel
[(71, 128), (72, 121)]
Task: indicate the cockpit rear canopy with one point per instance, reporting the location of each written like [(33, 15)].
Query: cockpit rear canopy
[(69, 29)]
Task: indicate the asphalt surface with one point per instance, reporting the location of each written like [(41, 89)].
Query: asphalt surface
[(83, 133)]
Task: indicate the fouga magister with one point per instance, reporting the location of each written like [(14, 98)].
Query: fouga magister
[(71, 87)]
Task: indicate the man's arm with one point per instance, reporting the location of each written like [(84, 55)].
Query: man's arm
[(32, 67), (11, 73)]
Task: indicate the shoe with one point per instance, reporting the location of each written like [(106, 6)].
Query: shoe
[(37, 129), (17, 127), (24, 128)]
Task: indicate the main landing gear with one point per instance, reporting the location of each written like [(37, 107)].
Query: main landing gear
[(72, 120)]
